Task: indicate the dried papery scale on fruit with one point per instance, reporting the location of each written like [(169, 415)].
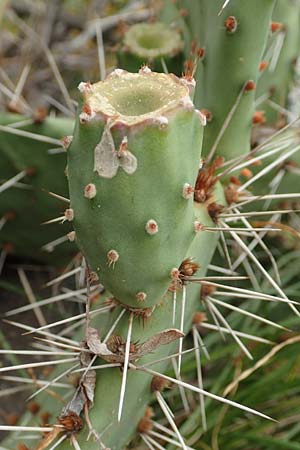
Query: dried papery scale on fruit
[(154, 44), (139, 145)]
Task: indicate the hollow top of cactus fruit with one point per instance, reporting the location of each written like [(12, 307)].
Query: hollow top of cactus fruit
[(134, 97), (152, 40)]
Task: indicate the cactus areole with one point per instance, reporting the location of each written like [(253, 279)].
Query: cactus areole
[(137, 136)]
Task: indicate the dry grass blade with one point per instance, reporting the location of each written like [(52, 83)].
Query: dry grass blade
[(261, 362)]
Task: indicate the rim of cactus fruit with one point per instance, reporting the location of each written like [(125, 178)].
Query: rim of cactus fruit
[(132, 98), (152, 40)]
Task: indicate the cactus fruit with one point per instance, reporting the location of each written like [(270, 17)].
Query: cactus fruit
[(154, 44), (138, 136), (28, 155)]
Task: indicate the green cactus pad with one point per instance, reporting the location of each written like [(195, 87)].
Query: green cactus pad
[(24, 233), (138, 136), (234, 41), (278, 78)]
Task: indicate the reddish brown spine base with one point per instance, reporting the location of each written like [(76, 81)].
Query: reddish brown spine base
[(146, 424), (206, 181)]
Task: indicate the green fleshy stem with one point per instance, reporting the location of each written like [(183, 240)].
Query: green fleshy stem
[(132, 166), (234, 42), (277, 80)]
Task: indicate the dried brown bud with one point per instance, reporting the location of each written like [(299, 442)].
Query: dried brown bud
[(30, 171), (188, 267), (45, 416), (145, 424), (231, 195), (206, 181), (214, 210), (199, 317), (33, 407), (114, 343), (231, 24), (207, 114), (247, 173), (276, 26), (71, 422), (263, 65), (201, 52), (235, 180), (207, 289), (11, 419), (40, 115), (159, 384), (258, 118), (249, 86)]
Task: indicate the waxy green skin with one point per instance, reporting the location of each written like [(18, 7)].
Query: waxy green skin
[(115, 219), (231, 59), (17, 153), (278, 81)]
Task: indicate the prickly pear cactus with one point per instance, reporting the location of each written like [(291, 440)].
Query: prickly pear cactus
[(137, 136), (147, 215)]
